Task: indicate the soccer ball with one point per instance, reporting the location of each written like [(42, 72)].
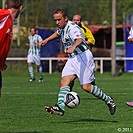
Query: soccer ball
[(72, 100)]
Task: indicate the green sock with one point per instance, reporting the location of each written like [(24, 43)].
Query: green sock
[(41, 76), (32, 77), (62, 93), (97, 92)]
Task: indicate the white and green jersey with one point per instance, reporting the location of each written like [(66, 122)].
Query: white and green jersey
[(69, 34), (33, 41), (131, 33)]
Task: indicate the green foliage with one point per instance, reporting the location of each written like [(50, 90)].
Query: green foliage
[(124, 7), (40, 12), (22, 105)]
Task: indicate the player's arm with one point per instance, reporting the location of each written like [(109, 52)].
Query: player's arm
[(53, 36), (27, 44), (28, 40), (75, 35), (4, 67), (77, 42)]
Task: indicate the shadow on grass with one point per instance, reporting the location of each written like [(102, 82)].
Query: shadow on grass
[(119, 74), (89, 120)]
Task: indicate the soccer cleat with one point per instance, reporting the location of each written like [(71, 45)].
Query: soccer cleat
[(55, 110), (130, 103), (111, 106), (41, 79), (32, 79)]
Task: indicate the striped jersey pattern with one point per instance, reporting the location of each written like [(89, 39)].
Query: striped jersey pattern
[(34, 40), (69, 34)]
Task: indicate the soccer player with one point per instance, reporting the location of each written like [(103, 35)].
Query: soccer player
[(34, 54), (86, 32), (79, 63), (88, 38), (7, 16), (130, 38)]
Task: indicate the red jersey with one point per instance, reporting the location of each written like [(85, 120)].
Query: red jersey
[(6, 24)]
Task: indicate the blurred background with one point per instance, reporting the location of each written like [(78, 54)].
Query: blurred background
[(96, 15)]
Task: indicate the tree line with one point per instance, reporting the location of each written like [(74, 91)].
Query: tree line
[(40, 12)]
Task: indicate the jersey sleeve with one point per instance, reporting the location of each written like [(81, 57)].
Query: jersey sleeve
[(39, 38), (76, 33), (3, 15), (6, 23)]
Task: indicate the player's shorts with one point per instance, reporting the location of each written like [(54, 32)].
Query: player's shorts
[(82, 65), (0, 80), (34, 59)]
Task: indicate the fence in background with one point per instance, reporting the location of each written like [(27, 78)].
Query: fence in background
[(50, 59)]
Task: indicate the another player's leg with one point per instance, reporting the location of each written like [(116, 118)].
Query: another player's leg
[(37, 60), (30, 68), (59, 107), (40, 72), (3, 69)]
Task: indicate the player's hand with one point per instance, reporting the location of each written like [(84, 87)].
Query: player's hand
[(69, 50), (42, 43), (27, 44), (4, 67), (35, 43)]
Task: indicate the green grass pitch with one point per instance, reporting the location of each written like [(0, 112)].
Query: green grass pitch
[(22, 105)]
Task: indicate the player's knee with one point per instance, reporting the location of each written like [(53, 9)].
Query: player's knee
[(64, 82), (87, 87), (29, 64)]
